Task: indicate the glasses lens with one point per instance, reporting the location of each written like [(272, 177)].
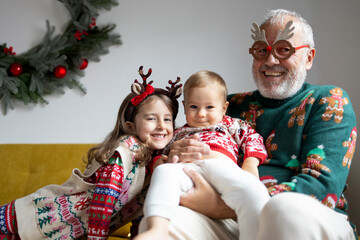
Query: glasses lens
[(258, 50), (283, 49)]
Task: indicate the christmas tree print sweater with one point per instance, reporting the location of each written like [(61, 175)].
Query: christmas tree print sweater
[(89, 204), (310, 139)]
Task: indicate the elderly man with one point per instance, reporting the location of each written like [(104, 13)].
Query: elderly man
[(310, 134)]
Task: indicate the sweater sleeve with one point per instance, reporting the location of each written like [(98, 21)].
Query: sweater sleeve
[(328, 145), (251, 142), (109, 181)]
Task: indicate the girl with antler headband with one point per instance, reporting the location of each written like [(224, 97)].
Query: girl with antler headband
[(88, 203)]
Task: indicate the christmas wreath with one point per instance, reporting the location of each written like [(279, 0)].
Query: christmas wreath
[(58, 61)]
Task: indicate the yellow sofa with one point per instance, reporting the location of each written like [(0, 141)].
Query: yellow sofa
[(27, 167)]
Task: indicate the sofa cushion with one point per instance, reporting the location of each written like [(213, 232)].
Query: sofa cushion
[(28, 167)]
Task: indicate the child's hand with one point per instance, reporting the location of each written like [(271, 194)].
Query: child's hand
[(251, 165)]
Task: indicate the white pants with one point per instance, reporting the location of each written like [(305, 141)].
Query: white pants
[(286, 216), (239, 189)]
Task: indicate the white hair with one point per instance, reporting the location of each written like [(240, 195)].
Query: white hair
[(277, 16)]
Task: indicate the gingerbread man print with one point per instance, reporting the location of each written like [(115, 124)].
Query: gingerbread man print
[(293, 164), (298, 113), (239, 98), (270, 146), (330, 200), (351, 148), (268, 181), (313, 165), (335, 106), (283, 187), (252, 114), (342, 202)]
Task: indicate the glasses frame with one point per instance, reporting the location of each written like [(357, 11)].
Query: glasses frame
[(270, 49)]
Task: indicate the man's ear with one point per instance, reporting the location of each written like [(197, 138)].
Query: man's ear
[(310, 58), (130, 125)]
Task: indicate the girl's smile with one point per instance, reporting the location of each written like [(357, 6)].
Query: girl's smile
[(154, 125)]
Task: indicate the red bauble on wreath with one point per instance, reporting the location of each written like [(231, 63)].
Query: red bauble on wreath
[(16, 69), (60, 71), (84, 64)]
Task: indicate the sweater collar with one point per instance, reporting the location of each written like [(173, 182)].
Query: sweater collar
[(269, 102)]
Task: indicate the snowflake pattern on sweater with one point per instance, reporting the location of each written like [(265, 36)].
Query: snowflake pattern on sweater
[(227, 137)]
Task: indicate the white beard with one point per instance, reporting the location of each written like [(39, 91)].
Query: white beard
[(284, 89)]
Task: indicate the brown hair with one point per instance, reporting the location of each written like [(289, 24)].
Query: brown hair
[(204, 78), (127, 112)]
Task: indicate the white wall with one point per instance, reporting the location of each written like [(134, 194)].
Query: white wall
[(175, 38)]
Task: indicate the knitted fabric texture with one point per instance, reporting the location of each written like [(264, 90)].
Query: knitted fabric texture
[(8, 223), (227, 137), (309, 138), (86, 203)]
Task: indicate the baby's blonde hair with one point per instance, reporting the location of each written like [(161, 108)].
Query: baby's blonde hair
[(204, 78)]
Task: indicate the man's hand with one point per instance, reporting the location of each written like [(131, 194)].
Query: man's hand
[(203, 198), (187, 150)]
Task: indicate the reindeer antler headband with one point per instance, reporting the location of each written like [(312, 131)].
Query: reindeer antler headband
[(281, 48), (145, 89)]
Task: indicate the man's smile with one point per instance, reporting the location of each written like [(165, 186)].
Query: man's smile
[(273, 74)]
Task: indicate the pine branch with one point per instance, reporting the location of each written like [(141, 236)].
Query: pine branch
[(82, 39)]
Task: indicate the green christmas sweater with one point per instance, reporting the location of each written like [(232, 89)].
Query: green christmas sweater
[(310, 139)]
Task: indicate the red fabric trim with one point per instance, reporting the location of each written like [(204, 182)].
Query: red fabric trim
[(217, 148), (152, 162), (10, 220), (261, 156)]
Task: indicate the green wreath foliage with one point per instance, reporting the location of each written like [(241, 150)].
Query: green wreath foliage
[(82, 39)]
